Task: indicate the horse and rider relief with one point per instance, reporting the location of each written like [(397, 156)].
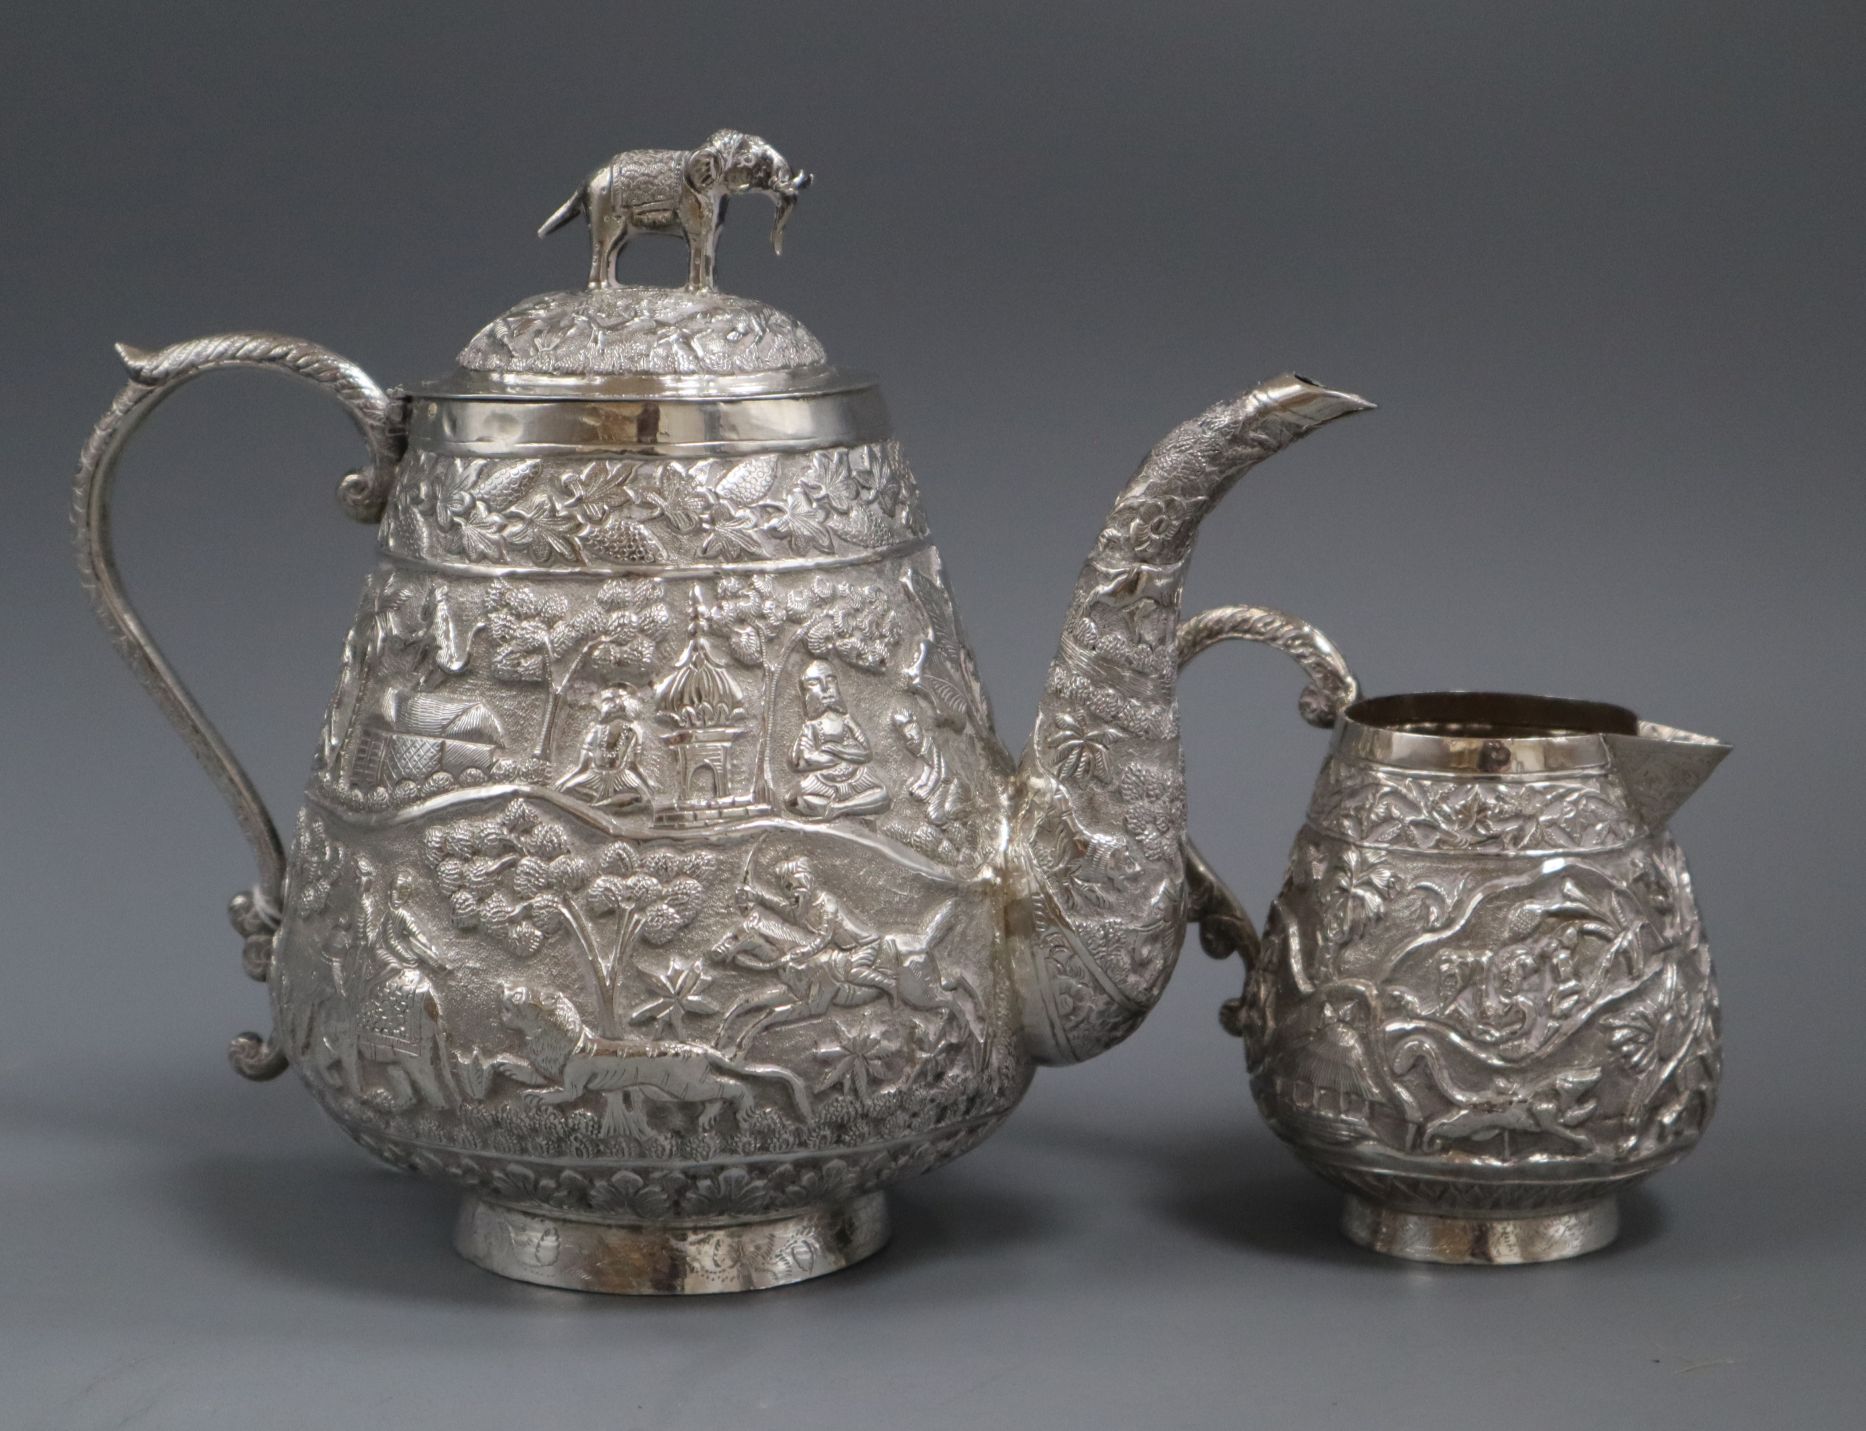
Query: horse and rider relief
[(646, 991)]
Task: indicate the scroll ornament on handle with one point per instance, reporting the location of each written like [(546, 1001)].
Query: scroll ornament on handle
[(1225, 927)]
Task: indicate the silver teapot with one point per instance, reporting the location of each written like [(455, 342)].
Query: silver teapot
[(1483, 1004), (661, 881)]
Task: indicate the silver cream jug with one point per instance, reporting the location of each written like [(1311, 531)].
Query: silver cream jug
[(661, 881), (1483, 1004)]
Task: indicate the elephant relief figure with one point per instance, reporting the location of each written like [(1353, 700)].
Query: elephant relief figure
[(393, 1022), (665, 191)]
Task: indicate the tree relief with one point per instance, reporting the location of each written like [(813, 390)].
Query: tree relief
[(632, 1000), (842, 699), (657, 868)]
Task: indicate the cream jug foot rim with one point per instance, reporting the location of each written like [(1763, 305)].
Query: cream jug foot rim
[(1480, 1241)]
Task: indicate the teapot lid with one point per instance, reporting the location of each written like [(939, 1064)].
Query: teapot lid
[(632, 367), (620, 330)]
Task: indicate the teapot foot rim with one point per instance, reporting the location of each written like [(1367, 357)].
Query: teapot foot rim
[(1467, 1241), (670, 1259)]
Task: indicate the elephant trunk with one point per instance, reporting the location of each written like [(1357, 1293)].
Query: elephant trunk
[(1096, 865), (784, 195)]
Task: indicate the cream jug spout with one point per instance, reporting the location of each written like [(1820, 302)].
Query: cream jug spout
[(1662, 767), (1100, 805)]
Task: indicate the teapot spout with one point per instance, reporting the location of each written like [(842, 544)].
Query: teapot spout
[(1662, 767), (1098, 874)]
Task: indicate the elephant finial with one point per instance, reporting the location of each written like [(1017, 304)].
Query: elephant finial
[(679, 191)]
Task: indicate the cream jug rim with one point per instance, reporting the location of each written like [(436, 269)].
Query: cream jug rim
[(1492, 733)]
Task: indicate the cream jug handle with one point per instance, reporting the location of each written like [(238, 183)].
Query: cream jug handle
[(153, 377), (1225, 927)]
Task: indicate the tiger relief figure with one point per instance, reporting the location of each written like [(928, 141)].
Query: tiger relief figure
[(564, 1060)]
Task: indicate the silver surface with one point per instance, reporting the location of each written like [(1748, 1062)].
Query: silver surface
[(711, 426), (1100, 838), (629, 333), (804, 379), (679, 191), (660, 864), (1225, 926), (1484, 991), (153, 378), (579, 1256), (1601, 256), (1480, 1241)]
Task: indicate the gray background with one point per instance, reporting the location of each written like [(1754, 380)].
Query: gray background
[(1600, 265)]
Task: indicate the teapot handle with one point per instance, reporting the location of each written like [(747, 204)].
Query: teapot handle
[(1225, 927), (255, 913)]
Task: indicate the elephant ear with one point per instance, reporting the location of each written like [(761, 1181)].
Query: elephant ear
[(706, 166)]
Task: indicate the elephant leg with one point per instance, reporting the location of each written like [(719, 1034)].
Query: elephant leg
[(336, 1059), (608, 236), (438, 1062), (425, 1082), (401, 1091), (701, 221), (702, 261), (336, 1068)]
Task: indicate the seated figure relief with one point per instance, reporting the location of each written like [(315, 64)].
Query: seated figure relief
[(608, 772), (832, 753)]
